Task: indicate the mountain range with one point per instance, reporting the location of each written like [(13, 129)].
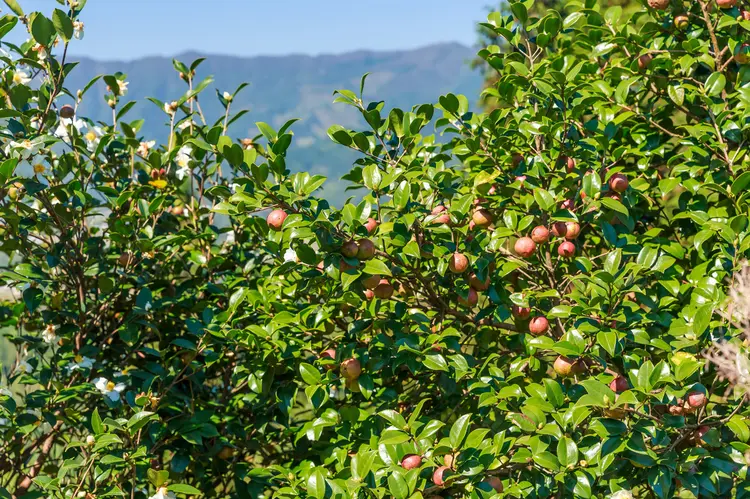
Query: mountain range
[(285, 87)]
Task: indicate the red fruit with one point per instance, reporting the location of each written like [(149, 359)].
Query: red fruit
[(619, 384), (328, 354), (618, 182), (458, 263), (384, 290), (495, 483), (438, 477), (371, 225), (644, 61), (371, 282), (442, 219), (438, 209), (658, 4), (540, 234), (566, 250), (521, 179), (276, 219), (366, 250), (492, 191), (351, 368), (744, 16), (67, 111), (349, 249), (696, 399), (567, 204), (475, 283), (701, 431), (570, 163), (471, 299), (522, 313), (525, 247), (559, 229), (411, 461), (482, 218), (369, 294), (538, 325), (565, 367), (726, 4), (572, 229)]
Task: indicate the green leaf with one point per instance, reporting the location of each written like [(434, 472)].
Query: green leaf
[(397, 485), (96, 423), (371, 176), (715, 84), (394, 418), (376, 267), (543, 198), (310, 374), (436, 362), (567, 452), (13, 5), (182, 488), (459, 430), (676, 93), (63, 24), (316, 484), (42, 30)]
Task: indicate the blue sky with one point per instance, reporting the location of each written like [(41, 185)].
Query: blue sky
[(129, 29)]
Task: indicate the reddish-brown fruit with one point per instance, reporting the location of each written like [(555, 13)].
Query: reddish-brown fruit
[(482, 218), (475, 283), (411, 461), (566, 250), (443, 218), (521, 179), (371, 225), (67, 111), (700, 432), (538, 325), (726, 4), (517, 159), (458, 263), (540, 234), (644, 61), (568, 204), (351, 368), (349, 249), (744, 16), (276, 219), (125, 259), (619, 384), (525, 247), (492, 191), (371, 282), (384, 290), (495, 483), (369, 294), (439, 209), (618, 182), (522, 313), (471, 299), (696, 399), (570, 163), (559, 229), (343, 266), (658, 4), (366, 250), (177, 210), (438, 477), (572, 229), (565, 367), (329, 354)]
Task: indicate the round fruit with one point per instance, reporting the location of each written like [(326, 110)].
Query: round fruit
[(450, 459), (658, 4), (411, 461), (521, 179), (366, 250), (371, 225), (566, 367), (276, 219), (371, 282), (439, 209), (67, 111), (475, 283), (566, 250), (351, 368), (328, 354), (525, 247), (458, 263), (349, 249), (559, 229), (495, 483), (522, 313), (471, 299), (696, 399), (369, 294), (644, 61), (619, 384), (540, 234), (572, 229), (570, 163), (482, 218), (618, 182), (438, 477), (742, 56), (726, 4), (538, 325), (744, 15), (681, 22), (384, 290)]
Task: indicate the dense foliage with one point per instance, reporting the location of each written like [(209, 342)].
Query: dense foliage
[(516, 304)]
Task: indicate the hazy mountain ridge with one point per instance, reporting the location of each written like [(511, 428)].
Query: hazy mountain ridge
[(285, 87)]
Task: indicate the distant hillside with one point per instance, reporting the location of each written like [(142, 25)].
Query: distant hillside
[(294, 86)]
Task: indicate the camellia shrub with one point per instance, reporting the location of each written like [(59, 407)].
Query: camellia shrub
[(516, 304)]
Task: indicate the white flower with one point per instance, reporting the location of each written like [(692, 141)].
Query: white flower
[(24, 148), (290, 255), (21, 78), (109, 388), (237, 187), (6, 392), (170, 107), (185, 124), (183, 159), (4, 422), (145, 147), (92, 137), (64, 126), (227, 96), (78, 30), (24, 367), (35, 123), (230, 239), (41, 52), (48, 335), (163, 493), (622, 494), (80, 363), (123, 87), (90, 440)]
